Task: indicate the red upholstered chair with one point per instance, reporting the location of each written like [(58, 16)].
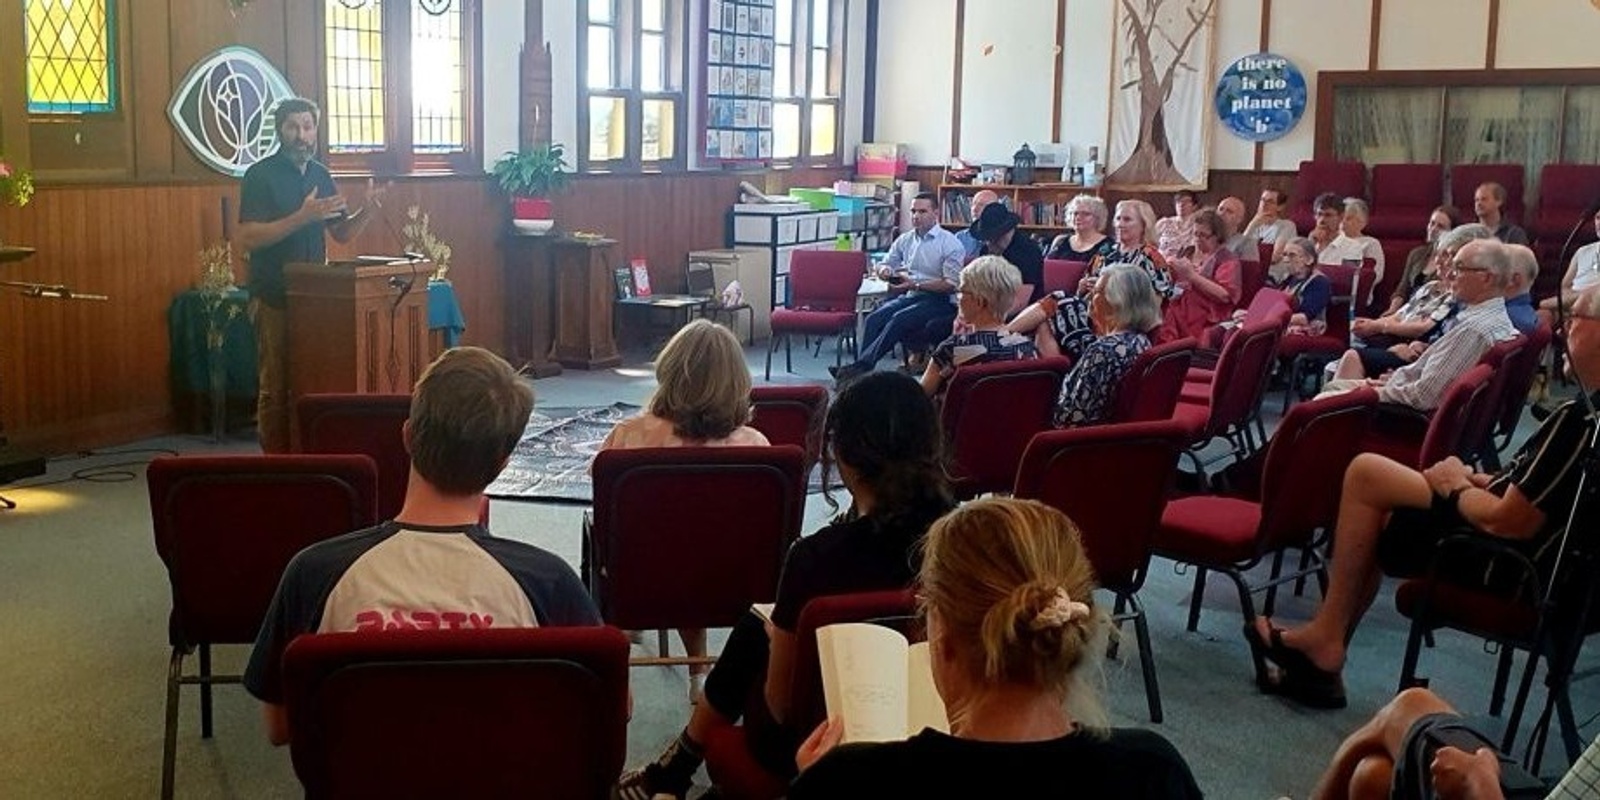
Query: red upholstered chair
[(1078, 471), (1422, 440), (1226, 402), (507, 712), (369, 425), (225, 528), (1307, 355), (690, 537), (1519, 376), (733, 769), (823, 285), (1061, 275), (1466, 178), (1252, 277), (1345, 178), (1302, 476), (1264, 253), (1566, 192), (1149, 389), (990, 412), (1403, 195), (791, 415)]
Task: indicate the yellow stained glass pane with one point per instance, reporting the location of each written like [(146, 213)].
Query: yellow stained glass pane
[(70, 56), (608, 126), (660, 129), (354, 117), (822, 129)]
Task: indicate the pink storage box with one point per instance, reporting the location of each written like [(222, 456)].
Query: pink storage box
[(881, 167)]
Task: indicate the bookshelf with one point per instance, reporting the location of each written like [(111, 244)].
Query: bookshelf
[(1042, 206)]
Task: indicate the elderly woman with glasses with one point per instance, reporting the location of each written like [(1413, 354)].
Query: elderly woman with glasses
[(1088, 216), (1210, 278)]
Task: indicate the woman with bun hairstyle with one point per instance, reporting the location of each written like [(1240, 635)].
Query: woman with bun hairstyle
[(1013, 629)]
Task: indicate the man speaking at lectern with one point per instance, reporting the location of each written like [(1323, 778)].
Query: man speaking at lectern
[(286, 201)]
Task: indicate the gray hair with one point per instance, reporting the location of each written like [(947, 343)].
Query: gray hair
[(1457, 237), (1493, 257), (1093, 205), (1525, 262), (1359, 206), (1306, 246), (993, 280), (1135, 306)]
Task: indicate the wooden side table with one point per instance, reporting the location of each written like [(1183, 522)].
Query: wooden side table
[(585, 292)]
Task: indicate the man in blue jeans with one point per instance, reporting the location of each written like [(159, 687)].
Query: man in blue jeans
[(924, 264)]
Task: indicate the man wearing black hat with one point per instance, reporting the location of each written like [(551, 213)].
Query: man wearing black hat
[(924, 264), (996, 227)]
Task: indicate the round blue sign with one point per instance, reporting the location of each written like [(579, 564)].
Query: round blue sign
[(1261, 97)]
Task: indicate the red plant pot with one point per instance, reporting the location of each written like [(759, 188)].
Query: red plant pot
[(530, 208)]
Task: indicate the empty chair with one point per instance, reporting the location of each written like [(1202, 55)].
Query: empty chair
[(736, 773), (225, 528), (1565, 194), (1076, 471), (690, 537), (990, 413), (791, 415), (1063, 276), (1227, 402), (1403, 195), (1301, 478), (1252, 277), (1149, 389), (823, 285), (509, 712)]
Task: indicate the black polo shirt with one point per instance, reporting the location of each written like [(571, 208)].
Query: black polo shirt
[(273, 188)]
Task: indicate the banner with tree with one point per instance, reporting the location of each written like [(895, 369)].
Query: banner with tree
[(1160, 136)]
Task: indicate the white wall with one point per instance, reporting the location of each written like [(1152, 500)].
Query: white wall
[(916, 38), (501, 38)]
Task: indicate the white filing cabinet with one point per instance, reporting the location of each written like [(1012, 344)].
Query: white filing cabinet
[(776, 231), (752, 268)]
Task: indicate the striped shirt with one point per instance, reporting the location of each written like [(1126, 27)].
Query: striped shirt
[(1421, 383)]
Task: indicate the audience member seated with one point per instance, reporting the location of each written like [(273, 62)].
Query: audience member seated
[(1013, 633), (1482, 270), (1268, 226), (1133, 226), (883, 433), (1175, 234), (1353, 244), (1398, 754), (1308, 288), (1243, 245), (1124, 308), (1088, 239), (1391, 516), (923, 264), (979, 202), (1210, 280), (1393, 341), (702, 399), (988, 287), (1328, 211), (1487, 200), (997, 229), (1420, 261), (1583, 273), (433, 564), (1519, 291)]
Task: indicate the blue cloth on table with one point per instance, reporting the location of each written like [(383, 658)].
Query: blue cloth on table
[(444, 313)]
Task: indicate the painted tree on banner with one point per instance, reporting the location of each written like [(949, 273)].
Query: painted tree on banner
[(1155, 47)]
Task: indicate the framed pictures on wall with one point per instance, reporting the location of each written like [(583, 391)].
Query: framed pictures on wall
[(739, 50)]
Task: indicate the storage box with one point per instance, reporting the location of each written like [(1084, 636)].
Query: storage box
[(819, 199), (881, 167)]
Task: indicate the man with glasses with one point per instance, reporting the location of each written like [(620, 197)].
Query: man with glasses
[(924, 264), (1482, 270), (1396, 339), (1391, 517)]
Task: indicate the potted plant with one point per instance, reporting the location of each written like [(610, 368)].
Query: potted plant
[(529, 177)]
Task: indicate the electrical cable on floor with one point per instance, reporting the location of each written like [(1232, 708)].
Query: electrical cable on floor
[(100, 473)]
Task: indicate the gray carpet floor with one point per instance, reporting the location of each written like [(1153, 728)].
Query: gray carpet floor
[(83, 653)]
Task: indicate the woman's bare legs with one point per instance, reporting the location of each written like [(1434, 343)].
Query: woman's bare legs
[(1363, 766), (1373, 487)]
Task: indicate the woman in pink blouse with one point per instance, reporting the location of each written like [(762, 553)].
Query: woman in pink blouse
[(1210, 280)]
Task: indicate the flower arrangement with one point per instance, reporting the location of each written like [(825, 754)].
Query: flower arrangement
[(216, 281), (421, 240), (16, 185)]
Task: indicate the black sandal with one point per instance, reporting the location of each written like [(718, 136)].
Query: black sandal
[(1300, 680)]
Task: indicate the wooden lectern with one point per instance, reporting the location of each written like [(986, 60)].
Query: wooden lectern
[(357, 327), (586, 292)]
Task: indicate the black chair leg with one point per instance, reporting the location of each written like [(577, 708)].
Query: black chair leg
[(1305, 561), (788, 355), (772, 344), (1502, 676), (1408, 665), (1271, 600), (1116, 615), (1147, 661), (1518, 705), (169, 742), (1195, 598), (205, 691)]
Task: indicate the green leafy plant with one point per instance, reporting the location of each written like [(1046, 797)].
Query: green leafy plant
[(538, 172), (421, 240), (16, 185)]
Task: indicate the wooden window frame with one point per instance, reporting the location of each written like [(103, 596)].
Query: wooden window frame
[(625, 20), (800, 68), (398, 156)]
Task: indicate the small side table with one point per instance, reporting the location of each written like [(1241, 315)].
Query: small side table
[(687, 304)]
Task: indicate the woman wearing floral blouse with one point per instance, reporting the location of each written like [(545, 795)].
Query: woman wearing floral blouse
[(1124, 308)]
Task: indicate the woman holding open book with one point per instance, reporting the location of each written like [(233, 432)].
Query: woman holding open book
[(883, 434), (1012, 629)]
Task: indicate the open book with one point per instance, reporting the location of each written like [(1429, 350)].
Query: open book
[(878, 683)]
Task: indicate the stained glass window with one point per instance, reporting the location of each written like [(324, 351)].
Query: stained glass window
[(71, 56), (354, 116), (438, 87)]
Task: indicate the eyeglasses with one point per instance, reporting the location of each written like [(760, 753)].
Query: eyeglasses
[(1458, 266)]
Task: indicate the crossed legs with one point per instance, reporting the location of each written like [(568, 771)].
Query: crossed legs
[(1373, 487), (1363, 766)]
